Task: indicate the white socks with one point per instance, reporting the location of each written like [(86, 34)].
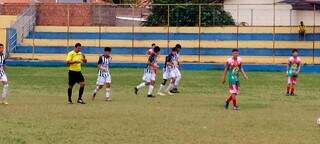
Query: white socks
[(141, 85), (108, 90), (177, 81), (96, 90), (161, 88), (150, 90), (5, 91), (169, 87)]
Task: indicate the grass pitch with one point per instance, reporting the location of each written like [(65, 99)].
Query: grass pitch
[(38, 114)]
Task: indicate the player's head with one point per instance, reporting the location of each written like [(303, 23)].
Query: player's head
[(77, 47), (178, 46), (235, 52), (107, 51), (1, 48), (294, 52), (301, 23), (156, 50), (153, 45), (174, 50)]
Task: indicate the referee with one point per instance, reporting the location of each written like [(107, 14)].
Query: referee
[(74, 60)]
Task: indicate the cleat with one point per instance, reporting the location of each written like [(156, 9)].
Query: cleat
[(226, 105), (236, 108), (108, 99), (151, 96), (175, 90), (136, 90), (169, 93), (161, 94), (292, 94), (287, 94), (70, 102), (80, 101), (5, 102)]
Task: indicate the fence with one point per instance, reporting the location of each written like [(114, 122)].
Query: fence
[(207, 32)]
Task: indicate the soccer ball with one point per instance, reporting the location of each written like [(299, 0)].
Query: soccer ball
[(318, 121)]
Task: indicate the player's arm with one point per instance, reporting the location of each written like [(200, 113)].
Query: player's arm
[(299, 67), (4, 65), (152, 63), (169, 61), (100, 67), (288, 66), (225, 73), (84, 58), (243, 72)]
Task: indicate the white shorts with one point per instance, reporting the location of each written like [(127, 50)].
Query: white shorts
[(3, 78), (149, 76), (176, 73), (103, 80), (166, 74)]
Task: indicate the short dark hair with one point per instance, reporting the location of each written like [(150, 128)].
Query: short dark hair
[(294, 50), (107, 49), (1, 44), (178, 46), (153, 44), (174, 49), (77, 44), (235, 50), (156, 49)]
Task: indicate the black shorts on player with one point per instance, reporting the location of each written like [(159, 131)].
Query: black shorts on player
[(75, 77)]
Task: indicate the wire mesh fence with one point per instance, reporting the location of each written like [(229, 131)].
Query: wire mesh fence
[(264, 33)]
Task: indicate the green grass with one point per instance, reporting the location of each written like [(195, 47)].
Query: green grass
[(38, 112)]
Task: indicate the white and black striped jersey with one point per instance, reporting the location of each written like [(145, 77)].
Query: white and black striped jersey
[(2, 64), (104, 62), (171, 58), (152, 59)]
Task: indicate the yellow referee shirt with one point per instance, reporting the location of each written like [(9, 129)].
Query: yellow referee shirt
[(73, 56)]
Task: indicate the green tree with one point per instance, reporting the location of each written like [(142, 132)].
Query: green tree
[(187, 14)]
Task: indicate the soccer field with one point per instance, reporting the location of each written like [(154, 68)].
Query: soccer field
[(38, 112)]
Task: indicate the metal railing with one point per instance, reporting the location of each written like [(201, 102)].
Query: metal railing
[(274, 19)]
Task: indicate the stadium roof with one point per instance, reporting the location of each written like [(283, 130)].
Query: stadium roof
[(303, 4)]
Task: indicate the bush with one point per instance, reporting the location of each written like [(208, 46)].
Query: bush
[(187, 15)]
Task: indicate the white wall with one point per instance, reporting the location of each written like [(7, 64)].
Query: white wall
[(261, 13)]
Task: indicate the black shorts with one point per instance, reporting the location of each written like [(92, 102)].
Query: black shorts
[(75, 77)]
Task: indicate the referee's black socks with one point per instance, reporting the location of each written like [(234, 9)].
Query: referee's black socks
[(69, 94), (80, 93)]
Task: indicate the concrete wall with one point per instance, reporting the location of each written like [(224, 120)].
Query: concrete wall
[(261, 13)]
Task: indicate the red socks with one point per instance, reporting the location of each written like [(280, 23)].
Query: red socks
[(233, 99)]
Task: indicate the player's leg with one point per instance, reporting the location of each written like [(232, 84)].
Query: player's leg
[(5, 89), (151, 82), (234, 90), (145, 78), (171, 85), (294, 81), (108, 91), (162, 87), (150, 88), (289, 86), (234, 102), (177, 81), (81, 89), (72, 82), (98, 87), (229, 99), (108, 87)]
